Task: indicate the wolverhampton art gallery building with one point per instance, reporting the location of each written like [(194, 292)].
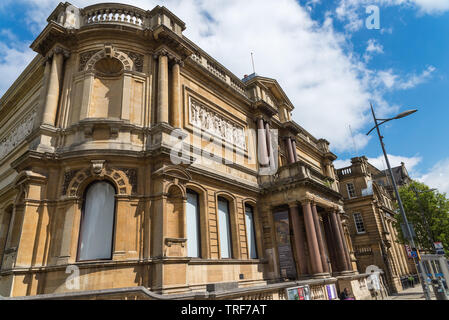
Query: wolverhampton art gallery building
[(130, 156)]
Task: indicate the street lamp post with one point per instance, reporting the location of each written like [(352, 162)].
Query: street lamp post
[(401, 207)]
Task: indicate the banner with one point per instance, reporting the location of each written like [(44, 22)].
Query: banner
[(286, 261)]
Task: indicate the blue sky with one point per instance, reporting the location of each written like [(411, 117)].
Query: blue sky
[(330, 65)]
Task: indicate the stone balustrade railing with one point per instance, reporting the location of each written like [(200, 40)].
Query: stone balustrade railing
[(220, 73), (344, 171), (296, 171), (115, 13)]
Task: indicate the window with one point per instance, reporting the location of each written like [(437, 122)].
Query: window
[(359, 223), (193, 222), (351, 190), (250, 232), (224, 229), (97, 223)]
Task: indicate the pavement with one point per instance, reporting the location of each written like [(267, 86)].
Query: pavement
[(415, 293)]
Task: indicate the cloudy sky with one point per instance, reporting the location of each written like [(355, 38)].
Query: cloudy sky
[(323, 55)]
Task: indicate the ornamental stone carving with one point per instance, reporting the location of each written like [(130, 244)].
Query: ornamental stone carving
[(211, 122), (17, 135)]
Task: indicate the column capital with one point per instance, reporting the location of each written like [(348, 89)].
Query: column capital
[(307, 200), (160, 53), (59, 50), (293, 204)]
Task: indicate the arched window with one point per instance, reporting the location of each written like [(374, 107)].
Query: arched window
[(97, 223), (224, 228), (250, 232), (193, 225)]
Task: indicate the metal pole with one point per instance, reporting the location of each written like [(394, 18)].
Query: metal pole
[(401, 209)]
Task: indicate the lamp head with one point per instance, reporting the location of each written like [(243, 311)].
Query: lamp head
[(405, 113)]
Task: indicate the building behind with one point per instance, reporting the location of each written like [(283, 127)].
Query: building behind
[(370, 205), (105, 167)]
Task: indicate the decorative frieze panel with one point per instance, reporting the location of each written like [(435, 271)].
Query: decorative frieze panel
[(17, 135), (202, 117), (137, 59), (84, 58)]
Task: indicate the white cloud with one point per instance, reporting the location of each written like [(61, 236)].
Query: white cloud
[(328, 84), (392, 81), (14, 57), (438, 176), (352, 12), (373, 47)]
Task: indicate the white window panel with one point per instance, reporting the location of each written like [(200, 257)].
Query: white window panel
[(193, 230), (98, 222), (250, 230), (224, 229)]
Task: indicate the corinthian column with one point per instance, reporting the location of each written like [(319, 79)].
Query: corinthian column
[(314, 251), (341, 259), (319, 235), (162, 99), (298, 236), (176, 111), (270, 146), (262, 143), (295, 155), (291, 157), (54, 88), (345, 246)]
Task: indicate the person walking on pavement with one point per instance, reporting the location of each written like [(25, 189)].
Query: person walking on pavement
[(345, 295)]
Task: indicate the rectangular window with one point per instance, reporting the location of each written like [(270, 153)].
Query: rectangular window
[(351, 190), (224, 229), (359, 223), (193, 229), (251, 236)]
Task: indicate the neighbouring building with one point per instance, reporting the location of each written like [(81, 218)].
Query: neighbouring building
[(370, 205), (131, 158)]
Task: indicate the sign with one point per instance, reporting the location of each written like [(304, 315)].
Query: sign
[(331, 291), (298, 293), (286, 262), (438, 245), (439, 248), (408, 250)]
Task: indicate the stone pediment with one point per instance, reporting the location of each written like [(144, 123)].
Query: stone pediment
[(176, 172)]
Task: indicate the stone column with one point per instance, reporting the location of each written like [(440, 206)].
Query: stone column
[(162, 99), (319, 235), (341, 260), (314, 251), (269, 145), (345, 247), (262, 143), (291, 157), (330, 240), (298, 236), (176, 111), (295, 155), (54, 88)]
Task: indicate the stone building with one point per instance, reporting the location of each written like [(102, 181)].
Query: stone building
[(370, 204), (132, 158)]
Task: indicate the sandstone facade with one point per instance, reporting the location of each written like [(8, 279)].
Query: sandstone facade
[(117, 98)]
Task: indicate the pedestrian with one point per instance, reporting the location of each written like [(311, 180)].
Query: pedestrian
[(345, 295), (411, 281)]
